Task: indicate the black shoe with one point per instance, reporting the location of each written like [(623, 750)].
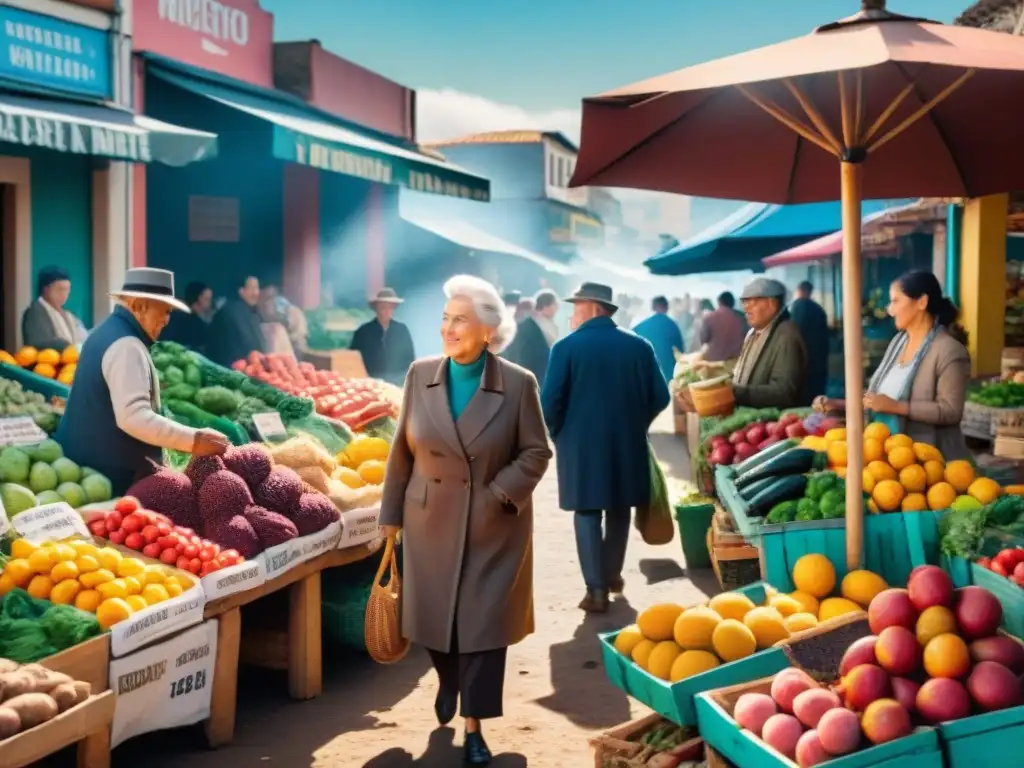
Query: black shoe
[(616, 585), (596, 601), (444, 706), (475, 750)]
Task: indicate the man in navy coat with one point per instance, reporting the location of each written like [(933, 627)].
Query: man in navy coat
[(602, 391)]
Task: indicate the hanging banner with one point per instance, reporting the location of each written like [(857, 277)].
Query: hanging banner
[(165, 686)]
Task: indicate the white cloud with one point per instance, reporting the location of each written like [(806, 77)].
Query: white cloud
[(448, 114)]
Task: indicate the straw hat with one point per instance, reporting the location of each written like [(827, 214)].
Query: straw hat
[(150, 283), (386, 296)]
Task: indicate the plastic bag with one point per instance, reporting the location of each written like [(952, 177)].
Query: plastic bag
[(655, 521)]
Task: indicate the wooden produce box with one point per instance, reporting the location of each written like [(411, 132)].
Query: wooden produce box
[(88, 662), (735, 562), (87, 725), (347, 362), (622, 744)]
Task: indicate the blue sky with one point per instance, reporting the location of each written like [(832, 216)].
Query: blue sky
[(548, 54)]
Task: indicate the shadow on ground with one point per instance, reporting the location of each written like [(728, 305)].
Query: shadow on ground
[(442, 752), (577, 673), (659, 570)]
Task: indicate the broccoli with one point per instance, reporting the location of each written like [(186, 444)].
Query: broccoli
[(807, 509), (821, 483), (783, 512), (832, 505)]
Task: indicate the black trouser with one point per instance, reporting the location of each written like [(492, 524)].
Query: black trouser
[(477, 678)]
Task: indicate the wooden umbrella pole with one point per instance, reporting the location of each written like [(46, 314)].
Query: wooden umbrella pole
[(850, 179)]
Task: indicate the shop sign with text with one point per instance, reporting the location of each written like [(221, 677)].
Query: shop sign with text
[(28, 130), (230, 37), (54, 54)]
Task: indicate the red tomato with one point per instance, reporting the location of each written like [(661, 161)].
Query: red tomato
[(185, 531), (197, 540), (984, 562), (132, 523), (997, 567), (191, 550), (195, 565), (207, 568), (134, 540), (1018, 573), (169, 556), (164, 527), (113, 521), (208, 553), (99, 528), (152, 550), (1006, 560), (127, 504), (181, 563), (150, 533), (167, 542), (118, 536), (230, 554)]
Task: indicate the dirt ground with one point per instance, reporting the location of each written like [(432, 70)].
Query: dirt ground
[(556, 693)]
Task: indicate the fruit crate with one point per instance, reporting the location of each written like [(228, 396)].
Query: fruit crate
[(675, 701), (49, 388), (724, 735), (735, 504), (622, 746), (735, 562)]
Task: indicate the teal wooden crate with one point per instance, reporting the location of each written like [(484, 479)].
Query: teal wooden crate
[(984, 741), (49, 388), (743, 749), (674, 701), (735, 505), (1009, 595)]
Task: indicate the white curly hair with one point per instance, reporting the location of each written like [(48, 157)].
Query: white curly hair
[(489, 307)]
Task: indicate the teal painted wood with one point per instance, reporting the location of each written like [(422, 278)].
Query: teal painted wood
[(958, 569), (745, 750), (1009, 595), (674, 701), (729, 495), (983, 741), (33, 382)]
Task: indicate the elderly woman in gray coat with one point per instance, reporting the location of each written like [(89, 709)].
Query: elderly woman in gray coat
[(921, 385), (469, 449)]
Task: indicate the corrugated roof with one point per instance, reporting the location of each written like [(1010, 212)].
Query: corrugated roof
[(1000, 15), (508, 137)]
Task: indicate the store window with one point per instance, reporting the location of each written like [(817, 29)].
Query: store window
[(552, 169), (213, 219)]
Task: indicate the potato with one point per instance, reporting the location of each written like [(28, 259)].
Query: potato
[(83, 691), (45, 679), (10, 723), (6, 665), (33, 709), (65, 695), (16, 683)]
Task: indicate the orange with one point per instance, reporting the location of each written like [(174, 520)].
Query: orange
[(46, 370), (6, 584), (26, 356), (941, 496), (881, 471), (65, 592), (901, 457), (836, 452), (838, 433), (934, 471), (66, 569), (946, 655), (888, 495), (934, 621), (959, 474), (876, 430), (173, 588), (69, 356), (868, 481), (155, 593), (88, 600), (913, 478), (984, 489), (87, 564), (40, 587), (898, 441), (66, 375), (873, 450), (136, 602), (914, 502), (111, 611), (925, 452), (7, 357), (48, 357), (20, 571), (840, 471)]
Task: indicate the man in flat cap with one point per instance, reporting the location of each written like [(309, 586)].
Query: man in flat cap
[(771, 371)]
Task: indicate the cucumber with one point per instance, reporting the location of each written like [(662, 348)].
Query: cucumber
[(753, 489), (762, 456), (785, 488), (796, 461)]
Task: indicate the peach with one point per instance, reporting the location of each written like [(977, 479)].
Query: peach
[(905, 692), (789, 684), (978, 613), (891, 608), (1000, 649), (929, 585), (898, 651), (861, 651), (885, 720), (942, 699), (810, 705), (752, 710), (992, 686), (781, 733), (809, 751), (839, 732), (865, 684)]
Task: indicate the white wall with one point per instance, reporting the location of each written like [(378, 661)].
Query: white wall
[(559, 164)]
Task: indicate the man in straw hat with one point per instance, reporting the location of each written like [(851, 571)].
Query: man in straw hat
[(385, 343), (602, 391), (112, 420)]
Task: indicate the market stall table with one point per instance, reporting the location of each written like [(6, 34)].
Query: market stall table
[(299, 652), (87, 725)]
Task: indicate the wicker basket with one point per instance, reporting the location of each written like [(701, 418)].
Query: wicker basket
[(384, 641), (713, 397)]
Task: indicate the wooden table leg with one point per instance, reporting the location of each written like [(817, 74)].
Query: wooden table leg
[(94, 750), (305, 662), (220, 728)]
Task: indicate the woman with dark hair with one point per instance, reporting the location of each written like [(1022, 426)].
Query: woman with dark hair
[(921, 385), (47, 324), (192, 328)]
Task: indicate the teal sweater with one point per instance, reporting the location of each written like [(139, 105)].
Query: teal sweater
[(463, 382)]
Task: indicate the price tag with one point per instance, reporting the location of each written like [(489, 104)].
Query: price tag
[(50, 522), (359, 526), (157, 621), (20, 430), (234, 578), (167, 685), (269, 425), (292, 553)]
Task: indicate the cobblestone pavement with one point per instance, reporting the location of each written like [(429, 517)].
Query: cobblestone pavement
[(556, 693)]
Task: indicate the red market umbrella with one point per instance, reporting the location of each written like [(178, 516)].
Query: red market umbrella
[(873, 106)]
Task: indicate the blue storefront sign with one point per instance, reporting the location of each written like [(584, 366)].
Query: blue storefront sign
[(54, 54)]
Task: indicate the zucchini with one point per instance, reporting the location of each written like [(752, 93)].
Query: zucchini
[(755, 488), (762, 456), (785, 488), (794, 462)]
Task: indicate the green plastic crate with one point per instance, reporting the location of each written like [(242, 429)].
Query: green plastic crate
[(693, 521), (675, 701), (744, 749)]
